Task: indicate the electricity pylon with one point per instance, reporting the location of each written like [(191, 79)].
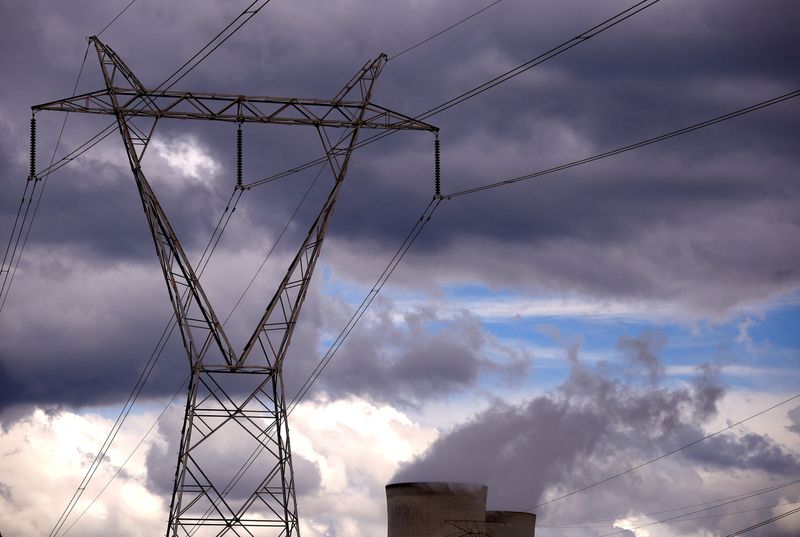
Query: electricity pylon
[(234, 399)]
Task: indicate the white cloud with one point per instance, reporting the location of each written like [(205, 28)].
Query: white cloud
[(43, 460), (357, 446), (186, 156)]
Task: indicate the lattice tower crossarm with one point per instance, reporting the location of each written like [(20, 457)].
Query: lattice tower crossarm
[(234, 398)]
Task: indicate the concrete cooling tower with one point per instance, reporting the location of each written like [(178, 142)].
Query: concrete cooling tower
[(435, 509), (510, 524)]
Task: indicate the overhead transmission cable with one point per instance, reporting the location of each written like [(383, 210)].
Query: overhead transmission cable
[(763, 523), (677, 518), (398, 256), (24, 229), (144, 375), (177, 75), (121, 13), (128, 458), (240, 20), (437, 34), (274, 245), (83, 148), (213, 44), (741, 511), (663, 455), (489, 84), (688, 519), (411, 237), (737, 497), (631, 147), (555, 51), (672, 134)]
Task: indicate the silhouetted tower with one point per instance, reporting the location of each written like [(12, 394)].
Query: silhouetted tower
[(235, 399)]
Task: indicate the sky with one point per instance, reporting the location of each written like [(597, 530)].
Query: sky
[(536, 338)]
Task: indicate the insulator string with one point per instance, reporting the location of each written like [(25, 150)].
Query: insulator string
[(32, 173), (239, 157), (437, 168)]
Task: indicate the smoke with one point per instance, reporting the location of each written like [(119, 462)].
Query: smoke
[(595, 425), (794, 416)]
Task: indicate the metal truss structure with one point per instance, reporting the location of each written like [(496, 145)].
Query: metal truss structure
[(235, 399)]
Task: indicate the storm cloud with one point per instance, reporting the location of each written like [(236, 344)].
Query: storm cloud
[(705, 224)]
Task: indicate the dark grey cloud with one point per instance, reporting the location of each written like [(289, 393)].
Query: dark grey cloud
[(420, 358), (705, 223), (751, 451)]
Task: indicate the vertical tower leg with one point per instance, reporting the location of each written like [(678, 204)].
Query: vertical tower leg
[(239, 421)]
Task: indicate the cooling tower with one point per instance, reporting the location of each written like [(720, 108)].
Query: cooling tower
[(510, 524), (435, 509)]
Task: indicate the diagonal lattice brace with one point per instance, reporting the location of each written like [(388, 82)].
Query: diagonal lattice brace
[(199, 326), (273, 334)]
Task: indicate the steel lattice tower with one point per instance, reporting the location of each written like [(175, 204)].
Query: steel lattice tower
[(234, 398)]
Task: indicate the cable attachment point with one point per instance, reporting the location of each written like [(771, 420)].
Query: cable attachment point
[(32, 172), (239, 157), (437, 173)]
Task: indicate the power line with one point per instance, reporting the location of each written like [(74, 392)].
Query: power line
[(763, 523), (679, 517), (214, 43), (128, 458), (555, 51), (155, 355), (664, 455), (110, 128), (704, 517), (607, 154), (437, 34), (23, 233), (412, 236), (737, 497), (115, 428), (107, 26), (205, 51), (257, 451), (226, 33), (552, 53), (631, 147), (499, 79), (272, 248), (739, 512), (49, 170), (81, 149)]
